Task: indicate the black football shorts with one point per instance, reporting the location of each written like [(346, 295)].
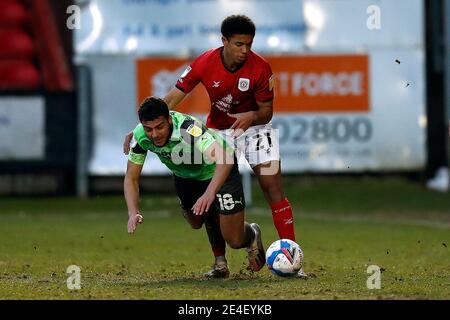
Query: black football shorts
[(229, 199)]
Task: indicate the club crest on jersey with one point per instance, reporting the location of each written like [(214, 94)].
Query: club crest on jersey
[(194, 131), (243, 84)]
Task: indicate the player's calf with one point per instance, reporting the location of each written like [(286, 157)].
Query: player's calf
[(255, 251)]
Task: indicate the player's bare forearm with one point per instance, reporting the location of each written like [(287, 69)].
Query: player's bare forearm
[(224, 163), (220, 175), (247, 119), (264, 113), (131, 188), (131, 191), (174, 97)]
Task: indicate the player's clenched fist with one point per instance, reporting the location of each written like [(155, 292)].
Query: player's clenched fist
[(133, 221)]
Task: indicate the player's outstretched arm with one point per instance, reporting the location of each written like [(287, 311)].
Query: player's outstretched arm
[(131, 192), (264, 113), (224, 163)]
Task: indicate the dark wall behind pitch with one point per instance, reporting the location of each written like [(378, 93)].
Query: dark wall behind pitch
[(437, 130), (55, 174)]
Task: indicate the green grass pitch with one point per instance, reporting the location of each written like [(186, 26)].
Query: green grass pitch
[(343, 225)]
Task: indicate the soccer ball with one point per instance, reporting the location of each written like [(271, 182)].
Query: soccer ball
[(284, 257)]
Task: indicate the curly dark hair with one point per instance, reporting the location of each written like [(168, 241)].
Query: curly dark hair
[(237, 24), (152, 108)]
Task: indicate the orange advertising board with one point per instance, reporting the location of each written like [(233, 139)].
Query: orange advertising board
[(156, 76), (315, 83), (321, 83)]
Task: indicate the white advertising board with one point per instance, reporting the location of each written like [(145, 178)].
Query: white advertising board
[(22, 128), (378, 124)]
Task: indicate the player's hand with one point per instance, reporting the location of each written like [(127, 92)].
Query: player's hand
[(203, 203), (133, 221), (243, 121), (127, 141)]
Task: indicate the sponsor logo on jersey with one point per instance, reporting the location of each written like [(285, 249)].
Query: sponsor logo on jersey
[(224, 104), (244, 84), (271, 82), (194, 131)]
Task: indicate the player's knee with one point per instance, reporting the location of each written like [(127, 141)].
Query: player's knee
[(196, 226), (273, 191), (234, 244), (196, 222), (270, 187)]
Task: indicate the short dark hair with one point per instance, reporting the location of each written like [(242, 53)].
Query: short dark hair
[(152, 108), (237, 24)]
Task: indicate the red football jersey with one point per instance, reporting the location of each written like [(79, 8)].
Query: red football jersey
[(229, 92)]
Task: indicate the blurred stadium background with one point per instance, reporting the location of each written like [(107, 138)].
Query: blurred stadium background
[(362, 102)]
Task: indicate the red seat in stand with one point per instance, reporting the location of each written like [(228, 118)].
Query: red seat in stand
[(19, 74), (12, 13), (15, 43)]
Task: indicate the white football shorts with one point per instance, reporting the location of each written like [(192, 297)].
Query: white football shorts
[(259, 144)]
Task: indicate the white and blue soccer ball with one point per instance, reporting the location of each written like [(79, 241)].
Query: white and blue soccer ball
[(284, 257)]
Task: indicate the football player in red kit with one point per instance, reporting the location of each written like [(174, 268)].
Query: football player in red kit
[(240, 86)]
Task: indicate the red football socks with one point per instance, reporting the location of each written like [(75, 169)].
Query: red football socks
[(283, 219)]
